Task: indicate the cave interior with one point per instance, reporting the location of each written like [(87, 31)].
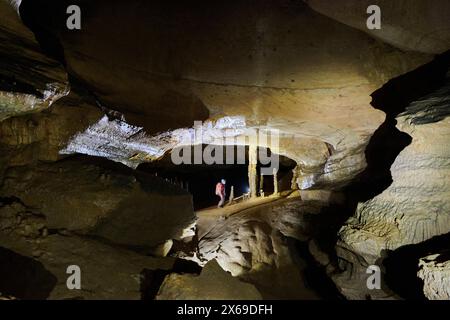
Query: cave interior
[(333, 139)]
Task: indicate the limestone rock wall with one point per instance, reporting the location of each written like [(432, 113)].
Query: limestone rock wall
[(415, 207), (28, 139), (29, 80), (418, 25), (82, 196), (257, 62)]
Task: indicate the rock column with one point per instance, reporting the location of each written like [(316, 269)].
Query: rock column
[(252, 172)]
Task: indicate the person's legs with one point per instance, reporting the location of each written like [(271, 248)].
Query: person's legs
[(221, 202)]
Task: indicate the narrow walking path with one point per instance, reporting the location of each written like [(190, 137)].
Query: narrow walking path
[(208, 218)]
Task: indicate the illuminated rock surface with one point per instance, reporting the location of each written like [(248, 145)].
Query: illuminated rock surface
[(213, 283), (435, 273), (259, 245), (40, 137)]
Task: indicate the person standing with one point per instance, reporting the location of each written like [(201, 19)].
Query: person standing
[(220, 191)]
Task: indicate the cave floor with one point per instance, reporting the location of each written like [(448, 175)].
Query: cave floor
[(208, 217), (245, 241)]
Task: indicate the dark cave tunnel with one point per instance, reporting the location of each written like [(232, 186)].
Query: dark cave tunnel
[(200, 179)]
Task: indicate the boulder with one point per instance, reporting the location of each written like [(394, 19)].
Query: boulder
[(213, 283), (106, 272), (93, 196)]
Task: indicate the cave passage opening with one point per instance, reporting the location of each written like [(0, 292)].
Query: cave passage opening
[(200, 179)]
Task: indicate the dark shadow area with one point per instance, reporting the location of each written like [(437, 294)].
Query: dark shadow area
[(200, 180), (5, 201), (393, 97), (23, 277), (384, 146), (326, 225), (12, 84), (316, 277), (151, 280), (402, 265), (46, 18)]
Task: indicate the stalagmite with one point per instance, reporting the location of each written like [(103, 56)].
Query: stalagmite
[(261, 185), (275, 182), (294, 185), (252, 174), (230, 200)]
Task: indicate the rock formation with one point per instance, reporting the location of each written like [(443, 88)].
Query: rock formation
[(37, 137), (80, 110), (415, 207), (106, 272), (404, 25), (212, 284), (111, 203), (259, 67), (29, 81), (435, 273), (259, 245)]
